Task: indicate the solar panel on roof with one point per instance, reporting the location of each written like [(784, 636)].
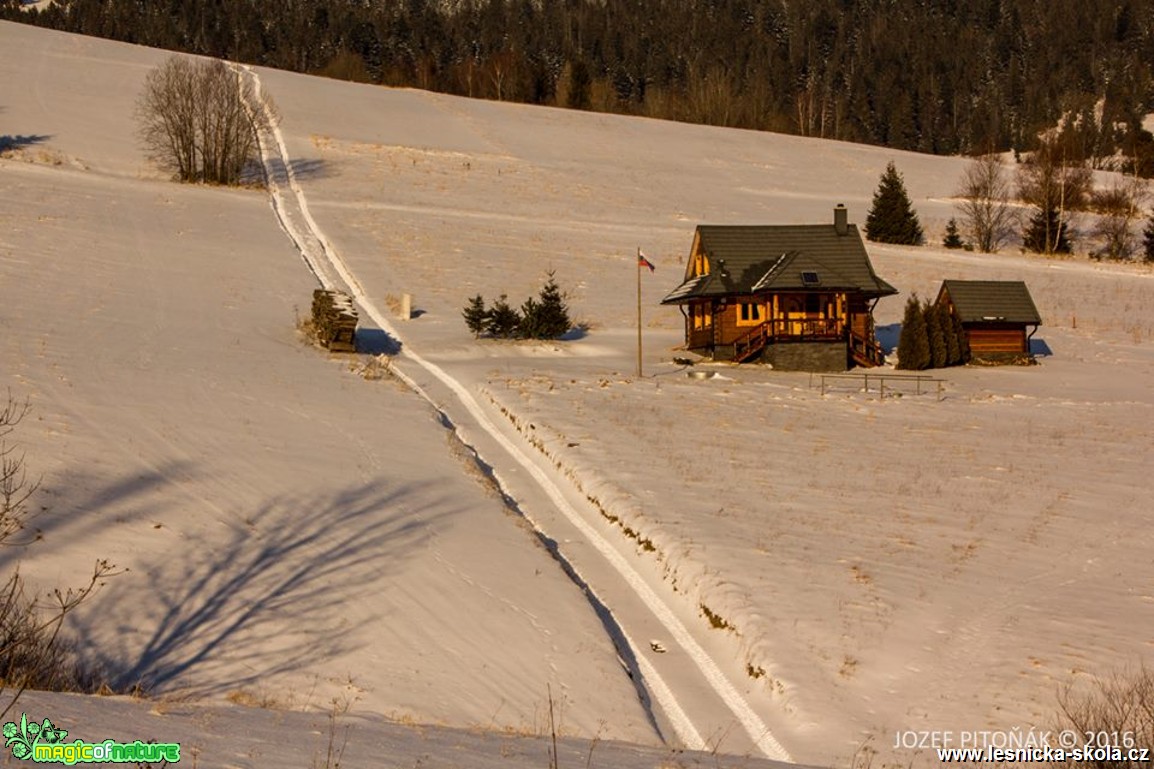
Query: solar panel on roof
[(810, 278)]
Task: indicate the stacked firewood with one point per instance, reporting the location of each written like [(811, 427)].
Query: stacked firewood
[(334, 320)]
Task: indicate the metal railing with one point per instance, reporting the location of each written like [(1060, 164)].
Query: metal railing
[(884, 384)]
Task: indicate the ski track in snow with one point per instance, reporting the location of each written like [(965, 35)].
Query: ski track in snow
[(324, 261)]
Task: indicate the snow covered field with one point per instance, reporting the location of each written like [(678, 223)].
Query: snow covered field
[(853, 567)]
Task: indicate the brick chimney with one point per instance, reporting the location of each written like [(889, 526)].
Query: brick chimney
[(841, 219)]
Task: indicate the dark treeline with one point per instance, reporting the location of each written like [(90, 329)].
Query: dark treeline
[(941, 76)]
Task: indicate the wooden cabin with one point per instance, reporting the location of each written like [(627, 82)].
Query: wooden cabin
[(799, 297), (995, 316)]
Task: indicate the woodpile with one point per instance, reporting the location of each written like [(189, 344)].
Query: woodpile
[(334, 320)]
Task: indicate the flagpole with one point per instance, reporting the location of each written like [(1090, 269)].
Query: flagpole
[(638, 260)]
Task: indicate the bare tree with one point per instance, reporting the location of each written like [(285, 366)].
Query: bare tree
[(1118, 208), (1116, 711), (985, 207), (1047, 178), (195, 120), (15, 488)]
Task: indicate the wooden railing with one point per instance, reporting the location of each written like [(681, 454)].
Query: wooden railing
[(748, 344)]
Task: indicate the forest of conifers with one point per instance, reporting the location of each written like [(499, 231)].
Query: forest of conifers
[(941, 76)]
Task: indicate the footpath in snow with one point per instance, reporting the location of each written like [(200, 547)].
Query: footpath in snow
[(694, 718)]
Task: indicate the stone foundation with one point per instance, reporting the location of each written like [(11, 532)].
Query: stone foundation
[(807, 356)]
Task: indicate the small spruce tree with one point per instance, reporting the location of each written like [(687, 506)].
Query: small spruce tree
[(1148, 240), (553, 320), (530, 326), (914, 342), (504, 321), (545, 317), (891, 218), (952, 238), (476, 316)]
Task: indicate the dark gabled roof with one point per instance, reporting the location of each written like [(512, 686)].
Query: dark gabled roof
[(763, 258), (1005, 301)]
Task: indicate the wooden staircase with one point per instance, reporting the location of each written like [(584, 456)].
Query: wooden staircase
[(866, 352), (750, 344)]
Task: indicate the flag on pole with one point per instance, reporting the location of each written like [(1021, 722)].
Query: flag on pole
[(643, 262)]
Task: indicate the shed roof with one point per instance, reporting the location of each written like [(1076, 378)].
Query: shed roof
[(763, 258), (1003, 301)]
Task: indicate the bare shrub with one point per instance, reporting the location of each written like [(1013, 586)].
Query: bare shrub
[(195, 120), (1116, 711), (1119, 207), (32, 653)]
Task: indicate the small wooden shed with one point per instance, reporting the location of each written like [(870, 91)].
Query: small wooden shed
[(997, 316)]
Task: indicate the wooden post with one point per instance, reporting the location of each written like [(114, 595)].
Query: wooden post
[(638, 266), (406, 306)]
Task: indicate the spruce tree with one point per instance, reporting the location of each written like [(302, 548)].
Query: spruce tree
[(545, 317), (952, 239), (950, 332), (914, 342), (959, 333), (939, 348), (476, 316), (1046, 233), (580, 85), (891, 218), (504, 321), (1148, 241)]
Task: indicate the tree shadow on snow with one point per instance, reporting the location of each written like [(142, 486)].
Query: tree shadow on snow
[(271, 596), (79, 505), (579, 331), (302, 169)]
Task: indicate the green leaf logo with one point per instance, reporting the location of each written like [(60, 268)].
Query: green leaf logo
[(23, 737)]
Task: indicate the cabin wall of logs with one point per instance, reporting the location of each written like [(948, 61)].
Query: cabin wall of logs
[(334, 320)]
